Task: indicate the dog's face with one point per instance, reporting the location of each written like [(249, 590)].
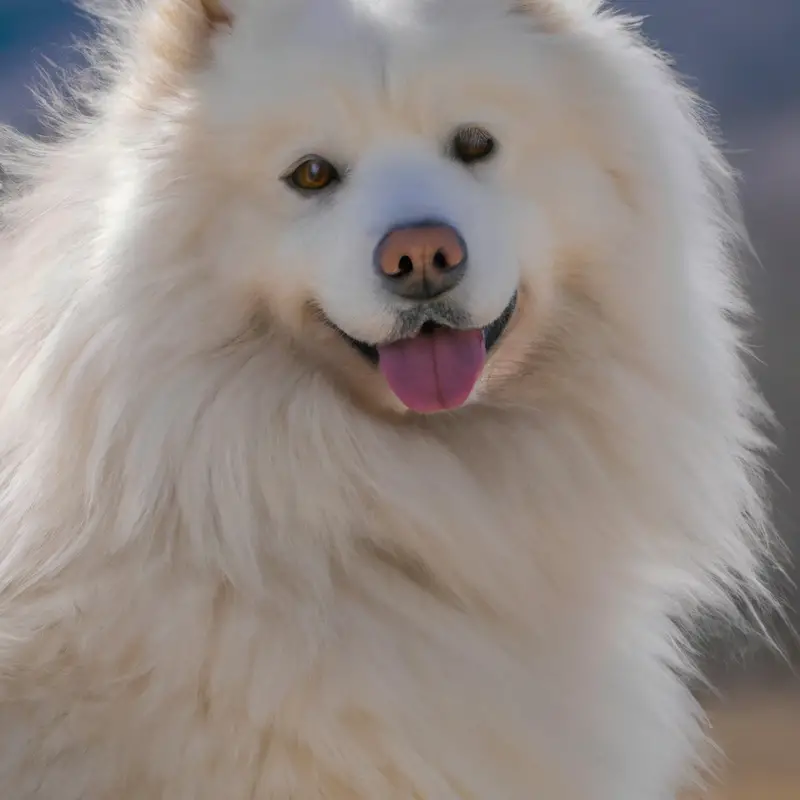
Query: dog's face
[(407, 186)]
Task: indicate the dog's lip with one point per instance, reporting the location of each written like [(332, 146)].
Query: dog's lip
[(492, 333)]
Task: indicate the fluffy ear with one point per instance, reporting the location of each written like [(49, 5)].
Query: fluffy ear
[(217, 13), (557, 14), (173, 37), (579, 6)]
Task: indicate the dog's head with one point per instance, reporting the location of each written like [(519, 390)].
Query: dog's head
[(411, 189), (418, 204)]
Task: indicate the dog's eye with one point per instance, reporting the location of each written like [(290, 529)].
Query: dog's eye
[(312, 174), (472, 144)]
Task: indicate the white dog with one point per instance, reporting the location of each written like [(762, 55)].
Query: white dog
[(372, 414)]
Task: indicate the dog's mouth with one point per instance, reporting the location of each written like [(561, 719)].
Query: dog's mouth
[(437, 368)]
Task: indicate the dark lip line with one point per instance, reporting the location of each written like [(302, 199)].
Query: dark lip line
[(492, 333)]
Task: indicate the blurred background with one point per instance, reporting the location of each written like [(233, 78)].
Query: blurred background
[(743, 56)]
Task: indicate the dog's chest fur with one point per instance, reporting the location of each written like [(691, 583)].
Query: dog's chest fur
[(186, 691)]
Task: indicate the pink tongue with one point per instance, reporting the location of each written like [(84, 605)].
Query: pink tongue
[(436, 371)]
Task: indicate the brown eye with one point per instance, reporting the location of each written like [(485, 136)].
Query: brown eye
[(312, 175), (472, 144)]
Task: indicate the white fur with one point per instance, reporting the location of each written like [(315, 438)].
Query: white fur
[(230, 567)]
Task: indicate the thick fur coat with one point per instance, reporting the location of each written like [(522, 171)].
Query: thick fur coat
[(232, 565)]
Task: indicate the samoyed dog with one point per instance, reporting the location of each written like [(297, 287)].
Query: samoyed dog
[(373, 416)]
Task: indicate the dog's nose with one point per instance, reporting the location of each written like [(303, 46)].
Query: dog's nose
[(421, 261)]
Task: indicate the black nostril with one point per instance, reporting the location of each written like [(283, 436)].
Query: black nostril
[(440, 260), (404, 267)]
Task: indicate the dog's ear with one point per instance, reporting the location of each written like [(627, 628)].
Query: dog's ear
[(591, 6), (174, 37), (557, 15), (217, 13)]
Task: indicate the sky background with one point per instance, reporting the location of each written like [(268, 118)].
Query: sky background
[(742, 55)]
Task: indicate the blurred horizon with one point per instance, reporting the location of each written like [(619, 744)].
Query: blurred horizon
[(741, 58)]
